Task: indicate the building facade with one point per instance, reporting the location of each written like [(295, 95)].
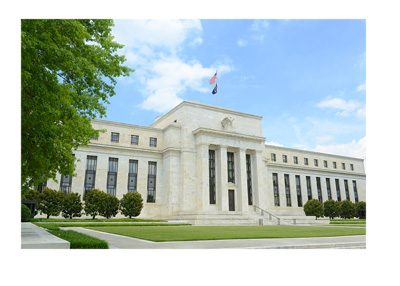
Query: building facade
[(204, 159)]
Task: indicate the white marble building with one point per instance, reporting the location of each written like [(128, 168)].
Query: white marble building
[(206, 162)]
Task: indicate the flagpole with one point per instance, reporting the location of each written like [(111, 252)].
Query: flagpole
[(216, 79)]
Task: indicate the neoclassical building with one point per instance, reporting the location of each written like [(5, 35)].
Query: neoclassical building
[(210, 165)]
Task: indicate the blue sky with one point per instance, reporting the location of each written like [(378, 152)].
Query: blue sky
[(305, 77)]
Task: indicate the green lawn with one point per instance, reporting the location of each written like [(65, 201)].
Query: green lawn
[(187, 233), (94, 220)]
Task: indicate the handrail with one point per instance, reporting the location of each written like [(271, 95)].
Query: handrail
[(271, 215)]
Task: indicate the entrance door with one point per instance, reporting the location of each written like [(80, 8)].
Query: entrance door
[(231, 198)]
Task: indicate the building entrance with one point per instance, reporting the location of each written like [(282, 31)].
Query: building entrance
[(231, 200)]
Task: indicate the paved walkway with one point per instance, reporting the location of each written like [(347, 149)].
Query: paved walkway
[(122, 242), (34, 237)]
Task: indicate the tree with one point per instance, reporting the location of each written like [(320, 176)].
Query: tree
[(331, 209), (131, 204), (72, 206), (109, 206), (50, 202), (360, 206), (314, 208), (68, 71), (347, 209), (93, 202)]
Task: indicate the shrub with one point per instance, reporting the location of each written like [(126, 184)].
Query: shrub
[(109, 206), (25, 213), (314, 208), (347, 209), (32, 195), (131, 204), (72, 206), (331, 209), (360, 206), (93, 202), (50, 202)]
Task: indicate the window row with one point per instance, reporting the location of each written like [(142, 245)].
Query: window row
[(275, 186), (134, 139), (112, 174), (316, 162)]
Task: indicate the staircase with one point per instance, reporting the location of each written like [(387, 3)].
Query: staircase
[(216, 218)]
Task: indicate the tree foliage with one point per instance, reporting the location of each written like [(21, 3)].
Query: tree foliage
[(331, 209), (50, 202), (68, 72), (131, 204), (109, 206), (72, 206), (360, 206), (314, 208), (347, 209), (93, 201)]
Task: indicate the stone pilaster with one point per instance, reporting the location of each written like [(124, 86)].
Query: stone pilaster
[(241, 182), (222, 178), (203, 189)]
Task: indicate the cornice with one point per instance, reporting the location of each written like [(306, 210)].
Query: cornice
[(202, 130), (125, 125)]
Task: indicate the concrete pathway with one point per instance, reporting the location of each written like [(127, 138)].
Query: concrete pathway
[(34, 237), (123, 242)]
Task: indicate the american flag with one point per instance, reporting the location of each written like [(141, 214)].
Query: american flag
[(212, 80)]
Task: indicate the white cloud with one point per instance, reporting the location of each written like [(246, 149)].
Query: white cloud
[(353, 149), (362, 87), (153, 48), (324, 138), (345, 108), (242, 43), (258, 25)]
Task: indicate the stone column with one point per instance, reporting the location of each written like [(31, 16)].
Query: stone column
[(314, 187), (203, 189), (259, 188), (241, 183), (333, 188), (303, 184), (342, 190), (293, 190), (222, 178)]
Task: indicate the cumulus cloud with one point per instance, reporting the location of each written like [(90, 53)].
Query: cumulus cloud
[(242, 43), (362, 87), (353, 149), (345, 108), (153, 48)]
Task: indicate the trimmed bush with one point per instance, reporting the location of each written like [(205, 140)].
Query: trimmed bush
[(50, 202), (93, 202), (360, 206), (25, 213), (109, 206), (314, 208), (131, 204), (32, 195), (331, 209), (72, 206), (347, 209)]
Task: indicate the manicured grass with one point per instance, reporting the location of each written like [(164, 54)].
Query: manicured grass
[(94, 220), (77, 240), (187, 233), (103, 224)]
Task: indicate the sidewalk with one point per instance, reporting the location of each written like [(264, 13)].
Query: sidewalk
[(123, 242), (34, 237)]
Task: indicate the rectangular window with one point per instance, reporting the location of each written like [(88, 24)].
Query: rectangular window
[(151, 182), (112, 176), (325, 164), (295, 160), (211, 171), (346, 190), (276, 189), (334, 165), (287, 191), (343, 166), (352, 167), (316, 162), (339, 198), (273, 157), (355, 191), (65, 184), (319, 191), (134, 140), (132, 176), (309, 193), (94, 138), (153, 142), (40, 187), (328, 188), (114, 137), (284, 158), (90, 174), (231, 168), (305, 161), (298, 189), (249, 187)]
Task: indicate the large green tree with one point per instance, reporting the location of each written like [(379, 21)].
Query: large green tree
[(68, 71)]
